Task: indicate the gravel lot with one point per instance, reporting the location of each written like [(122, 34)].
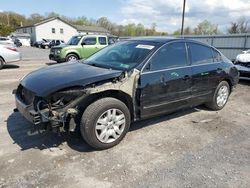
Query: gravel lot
[(191, 148)]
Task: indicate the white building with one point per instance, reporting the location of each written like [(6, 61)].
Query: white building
[(57, 28)]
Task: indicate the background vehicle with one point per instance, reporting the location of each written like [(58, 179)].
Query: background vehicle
[(242, 63), (45, 44), (6, 41), (244, 57), (79, 47), (39, 43), (128, 81), (17, 42), (55, 43), (8, 54)]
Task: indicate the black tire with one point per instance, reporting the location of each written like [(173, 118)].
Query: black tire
[(93, 112), (1, 63), (70, 56), (213, 104)]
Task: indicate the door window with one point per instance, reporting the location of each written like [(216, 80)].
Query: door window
[(216, 55), (90, 41), (169, 56), (200, 54), (102, 40)]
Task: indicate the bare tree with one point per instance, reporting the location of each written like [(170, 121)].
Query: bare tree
[(239, 26)]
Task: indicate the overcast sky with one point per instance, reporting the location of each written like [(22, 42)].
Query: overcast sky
[(165, 13)]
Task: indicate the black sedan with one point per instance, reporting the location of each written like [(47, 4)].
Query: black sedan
[(125, 82)]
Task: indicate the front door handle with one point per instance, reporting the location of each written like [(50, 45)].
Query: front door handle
[(186, 77), (219, 70)]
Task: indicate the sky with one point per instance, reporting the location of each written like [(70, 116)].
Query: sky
[(165, 13)]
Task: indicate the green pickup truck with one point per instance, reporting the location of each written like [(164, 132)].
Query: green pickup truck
[(79, 47)]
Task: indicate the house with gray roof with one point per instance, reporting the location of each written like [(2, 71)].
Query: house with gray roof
[(57, 28)]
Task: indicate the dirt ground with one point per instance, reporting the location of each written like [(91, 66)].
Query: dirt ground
[(190, 148)]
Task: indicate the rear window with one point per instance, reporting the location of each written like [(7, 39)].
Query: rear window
[(200, 54), (102, 40), (216, 55)]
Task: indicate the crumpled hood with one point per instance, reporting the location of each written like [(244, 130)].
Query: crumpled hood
[(56, 77)]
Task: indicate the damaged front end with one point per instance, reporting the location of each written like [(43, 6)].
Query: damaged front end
[(57, 111), (61, 111)]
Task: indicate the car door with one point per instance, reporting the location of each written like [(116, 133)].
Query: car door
[(89, 46), (205, 71), (102, 42), (165, 82)]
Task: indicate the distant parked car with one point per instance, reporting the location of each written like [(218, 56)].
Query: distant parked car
[(17, 42), (242, 63), (55, 43), (79, 47), (6, 41), (8, 54), (39, 43), (46, 44)]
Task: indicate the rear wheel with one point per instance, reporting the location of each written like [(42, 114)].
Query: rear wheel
[(72, 57), (105, 122), (220, 96), (1, 63)]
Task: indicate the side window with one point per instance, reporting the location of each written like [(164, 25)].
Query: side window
[(57, 42), (90, 41), (102, 40), (169, 56), (216, 55), (200, 54), (53, 30)]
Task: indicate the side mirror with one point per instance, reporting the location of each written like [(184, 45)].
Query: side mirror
[(83, 43)]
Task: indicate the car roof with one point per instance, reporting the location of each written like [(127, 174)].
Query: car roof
[(154, 39), (164, 39)]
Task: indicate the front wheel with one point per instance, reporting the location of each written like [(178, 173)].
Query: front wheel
[(220, 96), (72, 57), (105, 122)]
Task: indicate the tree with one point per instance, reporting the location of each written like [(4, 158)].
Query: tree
[(239, 26), (177, 32), (206, 28), (188, 31)]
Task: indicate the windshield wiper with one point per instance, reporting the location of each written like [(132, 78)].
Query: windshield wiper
[(99, 65)]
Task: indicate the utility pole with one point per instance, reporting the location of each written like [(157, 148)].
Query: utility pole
[(183, 16)]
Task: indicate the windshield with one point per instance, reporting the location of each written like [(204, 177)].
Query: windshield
[(74, 40), (122, 55)]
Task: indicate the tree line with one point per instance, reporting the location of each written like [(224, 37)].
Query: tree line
[(9, 21)]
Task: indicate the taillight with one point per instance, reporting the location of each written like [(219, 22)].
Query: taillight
[(12, 49)]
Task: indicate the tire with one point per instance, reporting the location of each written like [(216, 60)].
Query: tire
[(220, 96), (94, 124), (1, 63), (72, 57)]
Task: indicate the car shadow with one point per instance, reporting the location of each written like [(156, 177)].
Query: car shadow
[(10, 66), (245, 82), (26, 137), (161, 118), (51, 63)]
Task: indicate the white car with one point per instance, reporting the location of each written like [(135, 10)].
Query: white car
[(244, 57), (6, 41), (8, 54)]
